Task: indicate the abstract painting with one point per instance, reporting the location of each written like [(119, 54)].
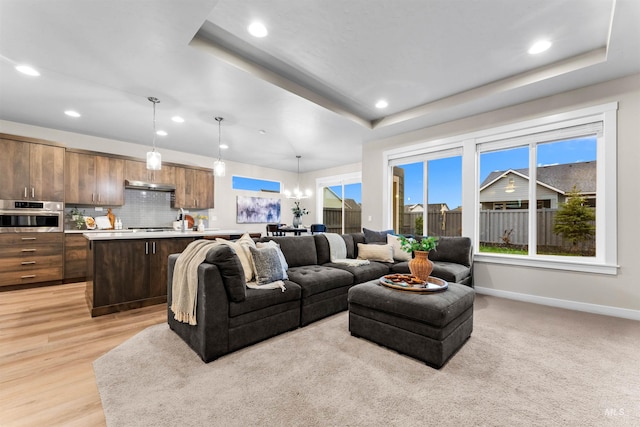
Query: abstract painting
[(252, 210)]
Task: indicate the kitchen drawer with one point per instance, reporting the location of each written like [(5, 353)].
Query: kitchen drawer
[(26, 263), (30, 250), (32, 275), (9, 239)]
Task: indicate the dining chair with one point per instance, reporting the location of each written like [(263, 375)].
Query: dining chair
[(318, 228)]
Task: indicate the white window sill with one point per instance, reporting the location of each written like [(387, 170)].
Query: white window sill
[(584, 264)]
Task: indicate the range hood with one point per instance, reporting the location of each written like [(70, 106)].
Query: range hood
[(141, 185)]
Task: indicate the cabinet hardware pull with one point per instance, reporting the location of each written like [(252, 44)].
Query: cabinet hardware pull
[(25, 192), (28, 276), (28, 262), (93, 197), (33, 192), (153, 248), (28, 250), (29, 238), (146, 248), (99, 197)]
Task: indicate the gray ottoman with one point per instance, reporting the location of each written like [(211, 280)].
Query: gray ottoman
[(428, 327)]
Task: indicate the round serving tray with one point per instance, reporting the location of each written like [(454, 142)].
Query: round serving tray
[(407, 282)]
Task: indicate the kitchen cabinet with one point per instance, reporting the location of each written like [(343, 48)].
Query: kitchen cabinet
[(93, 180), (137, 171), (30, 258), (129, 273), (194, 188), (75, 257), (30, 171)]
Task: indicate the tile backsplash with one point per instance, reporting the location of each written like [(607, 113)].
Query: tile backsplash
[(142, 208)]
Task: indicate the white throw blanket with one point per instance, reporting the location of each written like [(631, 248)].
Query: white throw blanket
[(278, 284), (338, 251), (184, 286)]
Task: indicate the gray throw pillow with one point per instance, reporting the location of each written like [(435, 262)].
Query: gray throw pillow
[(268, 266), (371, 236)]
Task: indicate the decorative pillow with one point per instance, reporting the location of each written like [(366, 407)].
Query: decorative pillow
[(398, 253), (375, 252), (283, 260), (268, 266), (371, 236), (241, 248)]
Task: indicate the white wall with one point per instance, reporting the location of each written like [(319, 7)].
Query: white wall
[(617, 295), (223, 216)]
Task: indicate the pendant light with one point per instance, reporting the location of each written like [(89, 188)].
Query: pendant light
[(297, 193), (219, 168), (154, 159)]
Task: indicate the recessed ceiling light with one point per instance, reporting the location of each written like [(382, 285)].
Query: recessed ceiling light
[(257, 29), (72, 113), (177, 119), (382, 104), (223, 146), (161, 133), (262, 132), (539, 47), (28, 70)]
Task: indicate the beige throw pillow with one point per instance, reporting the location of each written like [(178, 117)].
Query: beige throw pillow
[(398, 253), (241, 248), (382, 253)]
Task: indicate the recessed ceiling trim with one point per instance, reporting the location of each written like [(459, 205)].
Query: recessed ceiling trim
[(584, 60), (265, 74)]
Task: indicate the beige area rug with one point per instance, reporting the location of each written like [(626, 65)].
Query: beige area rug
[(524, 364)]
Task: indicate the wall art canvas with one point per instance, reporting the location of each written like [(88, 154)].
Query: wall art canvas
[(253, 210)]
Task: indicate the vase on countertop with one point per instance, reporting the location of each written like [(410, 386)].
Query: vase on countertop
[(200, 225), (297, 220), (421, 266)]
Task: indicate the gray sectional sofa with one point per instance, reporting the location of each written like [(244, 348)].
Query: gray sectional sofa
[(231, 316)]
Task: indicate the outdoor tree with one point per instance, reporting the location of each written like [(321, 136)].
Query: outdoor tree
[(419, 224), (574, 220)]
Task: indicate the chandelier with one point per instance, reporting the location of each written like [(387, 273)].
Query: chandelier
[(154, 159), (297, 193), (219, 168)]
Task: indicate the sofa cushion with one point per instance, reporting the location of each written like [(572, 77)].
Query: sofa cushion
[(371, 236), (363, 273), (450, 271), (268, 266), (241, 247), (351, 246), (398, 253), (373, 252), (231, 271), (259, 299), (314, 279), (298, 250), (453, 249)]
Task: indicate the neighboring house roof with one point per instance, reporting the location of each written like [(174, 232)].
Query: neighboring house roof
[(561, 178), (431, 207), (332, 200)]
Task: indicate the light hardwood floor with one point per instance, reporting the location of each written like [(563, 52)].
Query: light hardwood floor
[(48, 342)]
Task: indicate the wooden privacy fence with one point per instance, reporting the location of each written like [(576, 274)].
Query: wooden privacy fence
[(332, 218), (493, 226)]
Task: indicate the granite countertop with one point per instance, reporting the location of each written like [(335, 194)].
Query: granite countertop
[(135, 234)]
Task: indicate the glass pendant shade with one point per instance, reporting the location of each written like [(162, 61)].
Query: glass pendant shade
[(154, 161), (219, 168)]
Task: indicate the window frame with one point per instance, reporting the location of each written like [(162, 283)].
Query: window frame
[(524, 132)]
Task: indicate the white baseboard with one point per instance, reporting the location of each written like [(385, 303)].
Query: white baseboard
[(606, 310)]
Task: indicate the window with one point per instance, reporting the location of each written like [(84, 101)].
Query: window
[(543, 190), (436, 178), (341, 203), (254, 184)]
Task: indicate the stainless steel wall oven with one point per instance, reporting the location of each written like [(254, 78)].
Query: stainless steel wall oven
[(19, 216)]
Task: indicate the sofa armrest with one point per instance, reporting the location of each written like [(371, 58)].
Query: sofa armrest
[(210, 337)]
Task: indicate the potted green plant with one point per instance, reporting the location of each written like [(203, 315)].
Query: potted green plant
[(420, 266), (77, 217), (297, 214)]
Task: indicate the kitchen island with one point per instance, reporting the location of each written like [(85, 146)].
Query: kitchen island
[(128, 269)]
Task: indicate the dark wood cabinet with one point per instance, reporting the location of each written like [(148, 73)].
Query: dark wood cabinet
[(137, 171), (31, 171), (127, 274), (194, 188), (93, 180), (75, 257), (30, 258)]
